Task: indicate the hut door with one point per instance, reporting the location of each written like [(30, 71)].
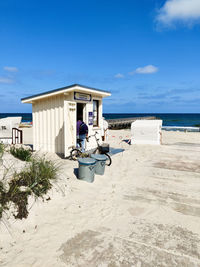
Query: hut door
[(70, 126), (80, 111)]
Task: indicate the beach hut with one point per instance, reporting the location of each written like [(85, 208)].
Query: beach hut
[(55, 115), (146, 132)]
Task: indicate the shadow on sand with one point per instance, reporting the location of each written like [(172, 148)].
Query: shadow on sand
[(76, 172)]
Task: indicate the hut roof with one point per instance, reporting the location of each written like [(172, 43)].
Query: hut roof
[(66, 89)]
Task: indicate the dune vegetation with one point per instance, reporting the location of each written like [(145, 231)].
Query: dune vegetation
[(35, 179)]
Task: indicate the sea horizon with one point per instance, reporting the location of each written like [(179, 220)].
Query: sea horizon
[(169, 119)]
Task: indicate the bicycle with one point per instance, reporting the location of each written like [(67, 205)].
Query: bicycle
[(76, 153)]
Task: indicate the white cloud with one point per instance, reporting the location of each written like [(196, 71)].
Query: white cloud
[(6, 80), (119, 75), (11, 69), (144, 70), (187, 11)]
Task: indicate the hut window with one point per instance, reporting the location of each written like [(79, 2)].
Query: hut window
[(95, 112)]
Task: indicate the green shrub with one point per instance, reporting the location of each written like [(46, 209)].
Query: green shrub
[(38, 176), (1, 150), (1, 211), (21, 153), (18, 197), (2, 199), (35, 180)]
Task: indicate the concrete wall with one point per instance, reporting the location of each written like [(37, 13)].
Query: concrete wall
[(146, 132)]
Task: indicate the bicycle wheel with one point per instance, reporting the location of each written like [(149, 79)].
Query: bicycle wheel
[(109, 160), (75, 153)]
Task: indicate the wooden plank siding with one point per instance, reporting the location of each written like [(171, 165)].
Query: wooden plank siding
[(48, 124)]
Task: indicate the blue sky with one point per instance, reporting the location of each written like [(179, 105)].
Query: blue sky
[(146, 52)]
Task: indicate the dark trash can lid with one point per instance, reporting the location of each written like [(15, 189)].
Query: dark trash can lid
[(86, 161), (100, 157)]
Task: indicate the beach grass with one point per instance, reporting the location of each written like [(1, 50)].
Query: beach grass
[(21, 153), (1, 150), (36, 180)]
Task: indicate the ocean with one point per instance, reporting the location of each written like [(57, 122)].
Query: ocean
[(26, 117), (169, 119)]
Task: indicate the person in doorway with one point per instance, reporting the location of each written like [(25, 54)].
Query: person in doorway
[(82, 133), (79, 121)]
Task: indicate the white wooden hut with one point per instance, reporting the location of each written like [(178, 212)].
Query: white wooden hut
[(55, 115), (146, 132)]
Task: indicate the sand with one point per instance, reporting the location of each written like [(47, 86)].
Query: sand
[(144, 211)]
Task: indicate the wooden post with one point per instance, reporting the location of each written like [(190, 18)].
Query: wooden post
[(16, 139)]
